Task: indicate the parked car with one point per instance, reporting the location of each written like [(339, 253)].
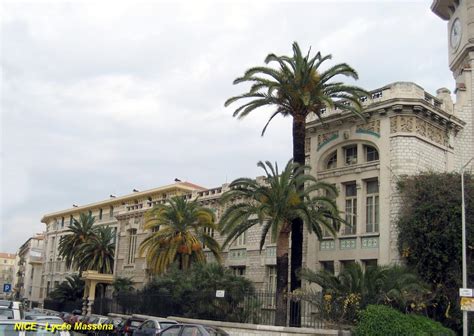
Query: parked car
[(192, 330), (129, 326), (45, 319), (152, 327), (11, 310)]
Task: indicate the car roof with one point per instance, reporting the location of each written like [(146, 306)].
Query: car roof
[(161, 319)]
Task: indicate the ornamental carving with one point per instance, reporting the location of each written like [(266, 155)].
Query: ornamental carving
[(327, 136), (371, 126), (412, 124)]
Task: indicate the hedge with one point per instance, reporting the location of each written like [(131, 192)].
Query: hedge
[(380, 320)]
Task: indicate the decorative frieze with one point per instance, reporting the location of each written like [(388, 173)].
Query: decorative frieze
[(370, 242), (325, 138), (347, 244), (413, 124), (371, 127), (327, 245)]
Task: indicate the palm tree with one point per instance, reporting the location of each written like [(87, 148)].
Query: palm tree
[(180, 231), (274, 205), (122, 285), (393, 285), (297, 88), (78, 233), (69, 290), (97, 252)]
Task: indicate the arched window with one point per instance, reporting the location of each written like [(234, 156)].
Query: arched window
[(332, 160), (371, 154)]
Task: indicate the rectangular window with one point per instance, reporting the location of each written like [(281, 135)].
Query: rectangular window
[(241, 240), (62, 222), (351, 209), (71, 219), (132, 246), (239, 270), (111, 212), (350, 155), (90, 212), (369, 263), (372, 207), (100, 214), (327, 266), (345, 264), (47, 288), (51, 248), (271, 279)]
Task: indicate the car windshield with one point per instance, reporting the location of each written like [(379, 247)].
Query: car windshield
[(216, 331), (6, 313), (135, 323)]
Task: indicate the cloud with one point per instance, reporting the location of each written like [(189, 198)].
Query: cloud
[(101, 97)]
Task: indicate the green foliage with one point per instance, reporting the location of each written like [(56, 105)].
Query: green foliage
[(192, 292), (88, 247), (378, 320), (180, 229), (70, 289), (122, 285), (355, 288), (430, 237)]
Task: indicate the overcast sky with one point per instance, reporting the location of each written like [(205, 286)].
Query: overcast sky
[(103, 98)]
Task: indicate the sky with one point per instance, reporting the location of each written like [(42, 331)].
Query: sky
[(104, 97)]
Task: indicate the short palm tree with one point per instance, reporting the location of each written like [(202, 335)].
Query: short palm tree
[(122, 285), (298, 87), (180, 231), (69, 290), (274, 205), (97, 252), (78, 233)]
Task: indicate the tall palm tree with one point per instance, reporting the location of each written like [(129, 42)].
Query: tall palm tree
[(298, 87), (274, 205), (97, 252), (180, 231), (78, 233)]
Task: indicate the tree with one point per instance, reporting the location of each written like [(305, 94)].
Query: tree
[(354, 288), (298, 87), (274, 204), (429, 238), (97, 252), (122, 285), (78, 233), (69, 290), (180, 230)]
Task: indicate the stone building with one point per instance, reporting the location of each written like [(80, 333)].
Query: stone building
[(7, 272), (30, 269)]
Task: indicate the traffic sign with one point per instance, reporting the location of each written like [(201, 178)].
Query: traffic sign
[(465, 292), (220, 293), (7, 288)]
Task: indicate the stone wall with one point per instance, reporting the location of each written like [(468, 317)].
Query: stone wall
[(241, 329)]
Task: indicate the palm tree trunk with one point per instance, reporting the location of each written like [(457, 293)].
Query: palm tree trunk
[(299, 135), (282, 275)]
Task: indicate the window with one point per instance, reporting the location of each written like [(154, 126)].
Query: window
[(327, 266), (111, 212), (372, 207), (241, 240), (172, 331), (239, 270), (271, 279), (369, 263), (47, 288), (51, 248), (345, 264), (56, 284), (332, 161), (58, 265), (71, 219), (100, 214), (62, 222), (132, 246), (351, 209), (350, 155), (371, 154), (191, 331)]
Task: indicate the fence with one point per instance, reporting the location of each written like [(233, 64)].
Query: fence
[(68, 306), (257, 307)]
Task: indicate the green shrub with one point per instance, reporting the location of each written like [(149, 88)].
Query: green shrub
[(378, 320)]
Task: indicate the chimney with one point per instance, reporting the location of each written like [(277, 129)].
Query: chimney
[(444, 95)]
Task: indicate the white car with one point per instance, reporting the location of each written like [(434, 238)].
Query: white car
[(11, 310), (7, 328)]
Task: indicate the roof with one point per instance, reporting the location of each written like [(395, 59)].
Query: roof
[(7, 255), (182, 186)]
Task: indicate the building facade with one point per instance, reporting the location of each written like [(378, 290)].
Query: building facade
[(30, 269), (7, 272)]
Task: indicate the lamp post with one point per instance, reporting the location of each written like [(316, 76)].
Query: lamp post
[(464, 266)]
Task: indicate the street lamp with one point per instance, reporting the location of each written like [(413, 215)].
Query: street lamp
[(464, 266)]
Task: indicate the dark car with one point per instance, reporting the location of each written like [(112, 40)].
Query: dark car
[(153, 326), (192, 330), (130, 325)]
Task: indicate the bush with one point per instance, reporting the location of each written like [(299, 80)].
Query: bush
[(378, 320)]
